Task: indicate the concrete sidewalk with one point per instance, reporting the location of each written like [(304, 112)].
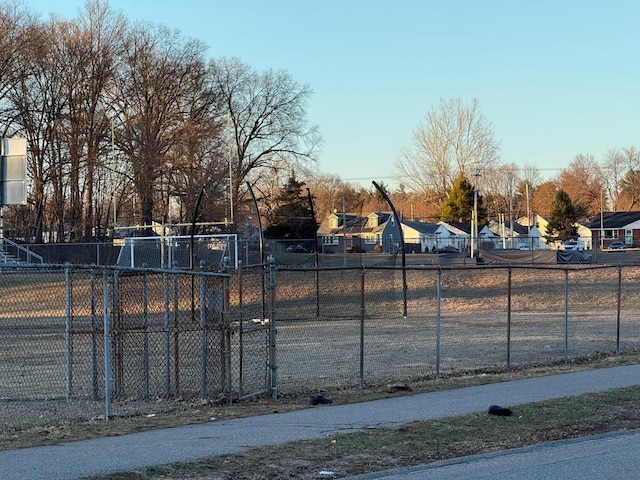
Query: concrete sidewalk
[(79, 459)]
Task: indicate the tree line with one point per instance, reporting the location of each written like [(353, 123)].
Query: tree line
[(455, 155), (128, 123)]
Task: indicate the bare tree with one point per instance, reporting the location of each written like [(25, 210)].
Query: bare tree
[(582, 181), (613, 172), (330, 193), (531, 175), (267, 120), (36, 102), (121, 118), (455, 139), (621, 168), (499, 188), (87, 52), (21, 45), (198, 157), (148, 94), (542, 198), (20, 35)]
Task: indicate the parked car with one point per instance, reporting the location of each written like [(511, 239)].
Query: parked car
[(616, 246), (571, 245), (297, 249), (448, 249)]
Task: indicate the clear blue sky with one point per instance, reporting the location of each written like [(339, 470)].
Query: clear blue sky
[(554, 78)]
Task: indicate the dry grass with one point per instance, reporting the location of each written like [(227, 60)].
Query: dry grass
[(423, 442), (470, 329)]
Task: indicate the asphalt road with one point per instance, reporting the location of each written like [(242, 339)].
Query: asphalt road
[(601, 457), (79, 459)]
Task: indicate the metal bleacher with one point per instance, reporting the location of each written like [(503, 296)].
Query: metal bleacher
[(13, 255)]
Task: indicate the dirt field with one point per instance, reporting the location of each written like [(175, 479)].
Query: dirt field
[(335, 329)]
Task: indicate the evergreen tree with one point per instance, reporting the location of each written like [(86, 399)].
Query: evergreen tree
[(458, 206), (562, 218), (292, 217)]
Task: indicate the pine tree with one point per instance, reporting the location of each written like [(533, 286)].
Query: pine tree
[(458, 206), (562, 218), (292, 217)]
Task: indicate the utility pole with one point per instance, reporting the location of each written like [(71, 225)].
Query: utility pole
[(230, 159), (474, 219), (511, 210), (526, 189), (344, 232), (601, 220)]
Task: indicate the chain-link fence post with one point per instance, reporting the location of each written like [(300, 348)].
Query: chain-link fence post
[(167, 335), (67, 330), (619, 301), (566, 315), (94, 336), (273, 367), (240, 331), (203, 335), (226, 328), (117, 345), (145, 335), (106, 325), (438, 320), (362, 316), (176, 330), (509, 272)]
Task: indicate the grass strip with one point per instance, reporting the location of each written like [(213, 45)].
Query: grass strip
[(416, 443)]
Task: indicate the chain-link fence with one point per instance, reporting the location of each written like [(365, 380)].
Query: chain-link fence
[(111, 341), (82, 342), (368, 326)]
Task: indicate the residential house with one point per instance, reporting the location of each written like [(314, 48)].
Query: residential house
[(515, 237), (615, 226), (539, 231), (420, 237), (453, 234), (376, 232), (488, 239)]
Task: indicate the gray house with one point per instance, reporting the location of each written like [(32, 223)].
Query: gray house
[(377, 232)]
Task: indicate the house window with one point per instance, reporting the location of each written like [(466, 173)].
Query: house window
[(370, 239), (611, 234), (333, 222), (330, 240), (628, 237)]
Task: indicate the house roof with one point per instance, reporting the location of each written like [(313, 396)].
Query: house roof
[(351, 224), (422, 227), (486, 232), (614, 220), (457, 228), (463, 226), (517, 227)]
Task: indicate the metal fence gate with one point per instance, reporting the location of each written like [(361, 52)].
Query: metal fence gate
[(250, 332)]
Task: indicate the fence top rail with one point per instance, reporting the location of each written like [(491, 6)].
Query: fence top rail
[(558, 267), (120, 269)]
